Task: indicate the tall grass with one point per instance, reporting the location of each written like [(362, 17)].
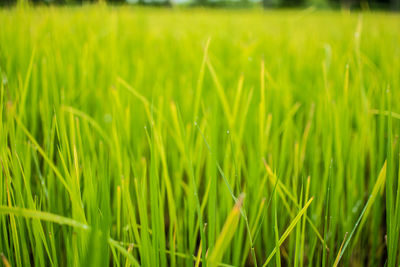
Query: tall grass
[(199, 137)]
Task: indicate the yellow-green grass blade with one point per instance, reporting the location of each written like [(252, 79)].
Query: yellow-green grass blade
[(226, 234), (289, 230)]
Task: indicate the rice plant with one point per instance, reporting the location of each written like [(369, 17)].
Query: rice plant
[(198, 137)]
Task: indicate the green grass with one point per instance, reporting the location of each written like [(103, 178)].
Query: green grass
[(168, 137)]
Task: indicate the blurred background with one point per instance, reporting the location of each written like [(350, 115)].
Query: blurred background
[(390, 5)]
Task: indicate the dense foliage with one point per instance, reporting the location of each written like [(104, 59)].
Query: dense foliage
[(178, 137)]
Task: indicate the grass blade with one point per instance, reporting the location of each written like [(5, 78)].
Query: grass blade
[(289, 230)]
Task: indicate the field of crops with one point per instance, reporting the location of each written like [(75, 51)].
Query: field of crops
[(197, 137)]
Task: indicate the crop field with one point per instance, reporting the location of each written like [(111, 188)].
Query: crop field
[(199, 137)]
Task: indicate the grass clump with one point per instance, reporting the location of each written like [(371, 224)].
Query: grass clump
[(149, 137)]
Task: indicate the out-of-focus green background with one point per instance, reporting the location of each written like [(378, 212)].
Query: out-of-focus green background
[(392, 5)]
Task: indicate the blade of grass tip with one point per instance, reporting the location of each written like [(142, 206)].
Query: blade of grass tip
[(220, 92), (289, 229), (346, 83), (26, 83), (238, 98), (340, 251), (327, 213), (262, 109), (89, 119), (278, 251), (227, 232), (234, 161), (145, 102), (199, 85), (244, 113), (133, 91)]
